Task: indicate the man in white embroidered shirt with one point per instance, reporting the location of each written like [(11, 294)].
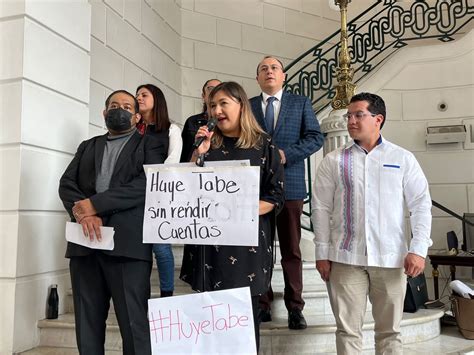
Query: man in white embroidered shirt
[(358, 204)]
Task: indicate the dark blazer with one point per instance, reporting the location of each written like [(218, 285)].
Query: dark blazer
[(297, 133), (188, 134), (122, 205)]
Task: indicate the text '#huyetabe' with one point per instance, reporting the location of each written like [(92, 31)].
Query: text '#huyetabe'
[(172, 326)]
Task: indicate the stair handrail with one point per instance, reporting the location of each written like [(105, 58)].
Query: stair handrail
[(374, 35), (451, 212)]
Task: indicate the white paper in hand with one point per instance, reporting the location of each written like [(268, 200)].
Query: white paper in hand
[(75, 234)]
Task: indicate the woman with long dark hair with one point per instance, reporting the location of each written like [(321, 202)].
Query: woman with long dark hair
[(238, 136), (156, 121)]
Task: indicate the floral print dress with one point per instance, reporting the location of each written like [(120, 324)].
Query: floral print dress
[(212, 268)]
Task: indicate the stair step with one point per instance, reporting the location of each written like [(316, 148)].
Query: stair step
[(314, 292), (326, 323), (276, 338), (61, 333), (316, 301), (183, 289), (45, 350)]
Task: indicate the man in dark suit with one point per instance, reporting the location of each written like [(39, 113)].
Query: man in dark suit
[(104, 185), (291, 121)]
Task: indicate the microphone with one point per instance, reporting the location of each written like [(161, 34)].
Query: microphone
[(211, 124)]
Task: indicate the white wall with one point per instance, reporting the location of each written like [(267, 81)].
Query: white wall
[(131, 44), (178, 45), (44, 95)]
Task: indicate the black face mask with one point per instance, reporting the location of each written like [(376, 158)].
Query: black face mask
[(118, 119)]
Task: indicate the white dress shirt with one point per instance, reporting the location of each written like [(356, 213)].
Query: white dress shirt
[(175, 145), (358, 206), (276, 104)]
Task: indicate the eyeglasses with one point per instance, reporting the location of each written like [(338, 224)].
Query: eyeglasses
[(359, 115), (265, 68)]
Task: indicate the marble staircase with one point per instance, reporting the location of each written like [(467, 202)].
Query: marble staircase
[(58, 336)]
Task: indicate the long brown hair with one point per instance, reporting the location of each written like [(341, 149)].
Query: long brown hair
[(159, 112), (250, 130)]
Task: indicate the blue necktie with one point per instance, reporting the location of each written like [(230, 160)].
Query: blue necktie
[(270, 115)]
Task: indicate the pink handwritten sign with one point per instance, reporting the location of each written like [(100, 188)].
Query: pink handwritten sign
[(218, 322)]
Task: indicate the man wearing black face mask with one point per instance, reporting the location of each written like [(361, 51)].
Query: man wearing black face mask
[(104, 185)]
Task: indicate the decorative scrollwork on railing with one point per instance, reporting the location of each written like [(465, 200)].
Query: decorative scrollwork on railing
[(374, 36)]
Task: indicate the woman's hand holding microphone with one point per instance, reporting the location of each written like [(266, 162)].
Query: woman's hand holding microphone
[(202, 142)]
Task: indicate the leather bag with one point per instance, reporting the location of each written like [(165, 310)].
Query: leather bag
[(416, 294), (463, 310)]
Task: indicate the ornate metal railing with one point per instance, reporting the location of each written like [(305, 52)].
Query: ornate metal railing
[(374, 36)]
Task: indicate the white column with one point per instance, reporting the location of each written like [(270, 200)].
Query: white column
[(44, 114), (335, 128)]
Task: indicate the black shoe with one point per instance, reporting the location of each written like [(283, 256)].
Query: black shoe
[(296, 319), (265, 315), (166, 294)]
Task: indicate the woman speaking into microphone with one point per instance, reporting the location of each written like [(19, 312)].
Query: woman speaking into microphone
[(237, 136)]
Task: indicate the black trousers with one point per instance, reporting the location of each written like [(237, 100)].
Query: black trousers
[(95, 279), (289, 236)]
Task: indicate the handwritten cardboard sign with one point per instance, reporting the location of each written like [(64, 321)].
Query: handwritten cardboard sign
[(218, 322), (213, 205)]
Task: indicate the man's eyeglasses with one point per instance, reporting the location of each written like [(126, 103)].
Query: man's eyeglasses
[(359, 115)]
